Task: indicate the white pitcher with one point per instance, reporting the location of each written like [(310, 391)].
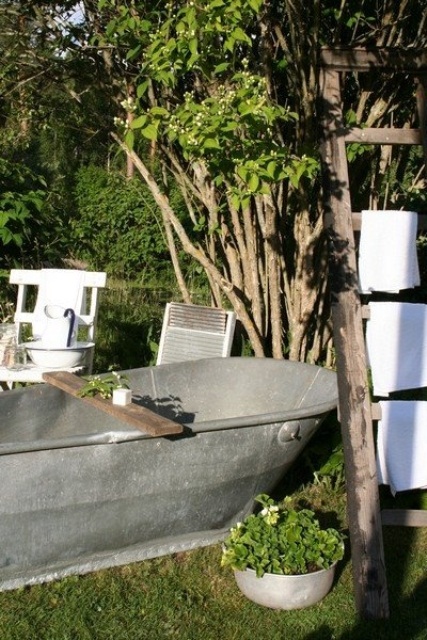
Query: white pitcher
[(60, 327)]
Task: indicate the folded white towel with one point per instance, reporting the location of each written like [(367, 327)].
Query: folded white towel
[(63, 287), (396, 342), (387, 251), (402, 445)]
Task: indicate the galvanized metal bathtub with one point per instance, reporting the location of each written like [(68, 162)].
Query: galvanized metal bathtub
[(79, 491)]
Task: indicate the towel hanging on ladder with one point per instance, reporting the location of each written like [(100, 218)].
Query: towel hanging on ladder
[(387, 251), (396, 343), (402, 445)]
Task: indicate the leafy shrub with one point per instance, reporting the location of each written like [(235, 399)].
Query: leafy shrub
[(128, 331), (118, 227), (22, 197)]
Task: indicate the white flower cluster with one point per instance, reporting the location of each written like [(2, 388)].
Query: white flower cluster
[(121, 123), (128, 105), (270, 514)]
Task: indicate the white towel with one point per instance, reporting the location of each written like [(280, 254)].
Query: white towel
[(396, 342), (63, 287), (402, 445), (387, 251)]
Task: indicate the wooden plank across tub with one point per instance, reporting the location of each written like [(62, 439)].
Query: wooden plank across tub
[(142, 418)]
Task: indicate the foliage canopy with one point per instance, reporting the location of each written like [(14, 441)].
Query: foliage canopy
[(219, 100)]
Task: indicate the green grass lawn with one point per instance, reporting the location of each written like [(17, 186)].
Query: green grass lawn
[(190, 597)]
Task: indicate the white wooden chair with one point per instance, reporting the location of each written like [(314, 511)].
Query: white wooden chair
[(190, 332), (91, 282)]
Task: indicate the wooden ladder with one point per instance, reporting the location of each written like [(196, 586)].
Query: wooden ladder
[(363, 507)]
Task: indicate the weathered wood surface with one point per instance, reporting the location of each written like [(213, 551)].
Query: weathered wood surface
[(142, 418), (376, 411), (387, 135), (377, 59), (421, 95), (364, 519), (404, 517)]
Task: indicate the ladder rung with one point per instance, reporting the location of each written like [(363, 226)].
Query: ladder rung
[(404, 517), (366, 59), (376, 411), (387, 135)]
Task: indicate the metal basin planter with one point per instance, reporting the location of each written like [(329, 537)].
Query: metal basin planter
[(81, 491), (285, 592)]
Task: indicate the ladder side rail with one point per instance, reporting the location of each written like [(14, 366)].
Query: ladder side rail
[(370, 583)]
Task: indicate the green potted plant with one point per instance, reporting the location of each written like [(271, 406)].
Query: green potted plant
[(104, 385), (281, 556)]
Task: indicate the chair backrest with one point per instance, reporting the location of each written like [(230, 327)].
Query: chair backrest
[(190, 332), (91, 281)]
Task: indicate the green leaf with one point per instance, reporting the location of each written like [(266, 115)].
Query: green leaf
[(211, 143), (272, 168), (159, 111), (229, 44), (7, 237), (129, 139), (236, 200), (37, 202), (221, 67), (253, 183), (150, 132), (138, 122), (132, 53), (242, 172), (240, 35), (192, 45), (256, 5), (145, 25), (245, 108), (142, 89)]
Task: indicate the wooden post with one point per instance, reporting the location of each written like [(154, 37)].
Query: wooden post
[(363, 507), (422, 113)]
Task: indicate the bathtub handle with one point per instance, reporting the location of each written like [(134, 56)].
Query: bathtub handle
[(290, 431)]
